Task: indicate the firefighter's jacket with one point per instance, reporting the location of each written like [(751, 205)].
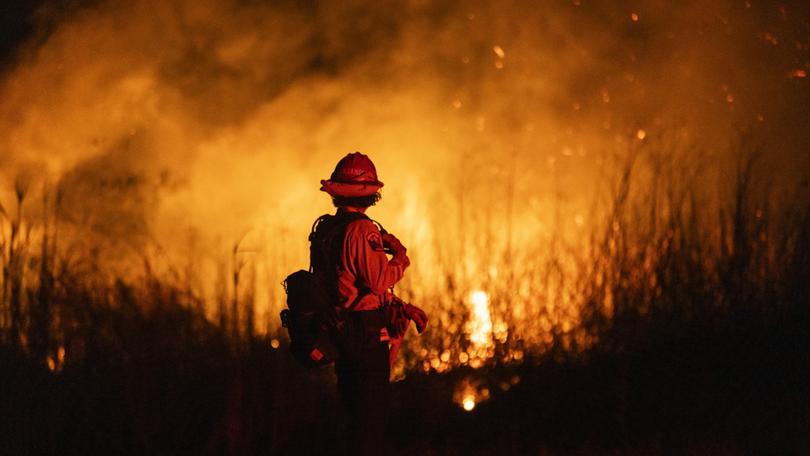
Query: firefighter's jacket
[(364, 269)]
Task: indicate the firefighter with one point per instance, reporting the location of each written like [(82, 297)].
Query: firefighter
[(362, 276)]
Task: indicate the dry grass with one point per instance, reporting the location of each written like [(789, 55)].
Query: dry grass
[(678, 307)]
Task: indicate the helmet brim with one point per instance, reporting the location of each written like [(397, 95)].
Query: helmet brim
[(350, 189)]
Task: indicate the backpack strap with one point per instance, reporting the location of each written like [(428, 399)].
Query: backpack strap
[(313, 238), (323, 244), (379, 226)]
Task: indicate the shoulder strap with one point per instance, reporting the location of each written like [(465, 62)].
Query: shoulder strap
[(324, 244), (326, 237), (379, 226)]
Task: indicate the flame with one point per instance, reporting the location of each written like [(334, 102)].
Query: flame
[(480, 325), (469, 393), (468, 403), (200, 147), (56, 363)]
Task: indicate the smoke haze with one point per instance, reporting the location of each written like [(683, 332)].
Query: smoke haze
[(179, 129)]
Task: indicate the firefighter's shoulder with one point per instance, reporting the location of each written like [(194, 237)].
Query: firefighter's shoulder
[(367, 231)]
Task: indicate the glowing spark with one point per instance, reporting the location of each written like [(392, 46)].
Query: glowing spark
[(730, 98), (498, 51), (634, 17), (468, 403), (274, 343), (468, 394), (768, 36), (641, 134), (499, 64), (797, 73), (56, 364)]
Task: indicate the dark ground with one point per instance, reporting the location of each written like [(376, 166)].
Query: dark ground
[(735, 388)]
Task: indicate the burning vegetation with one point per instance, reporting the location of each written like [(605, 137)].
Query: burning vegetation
[(585, 190)]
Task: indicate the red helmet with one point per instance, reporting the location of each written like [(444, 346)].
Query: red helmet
[(354, 175)]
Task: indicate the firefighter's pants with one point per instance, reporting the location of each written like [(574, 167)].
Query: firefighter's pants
[(363, 373)]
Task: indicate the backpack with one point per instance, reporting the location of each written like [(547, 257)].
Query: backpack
[(313, 316)]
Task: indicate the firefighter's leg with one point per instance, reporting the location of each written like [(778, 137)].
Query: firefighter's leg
[(363, 382)]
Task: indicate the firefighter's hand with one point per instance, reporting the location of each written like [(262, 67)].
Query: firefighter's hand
[(390, 241), (416, 315)]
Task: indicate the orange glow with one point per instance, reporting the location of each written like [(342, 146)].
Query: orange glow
[(469, 393), (468, 403), (194, 140), (798, 73), (480, 325), (56, 363)]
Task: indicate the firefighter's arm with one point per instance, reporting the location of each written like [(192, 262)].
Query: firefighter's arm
[(366, 245), (398, 250)]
